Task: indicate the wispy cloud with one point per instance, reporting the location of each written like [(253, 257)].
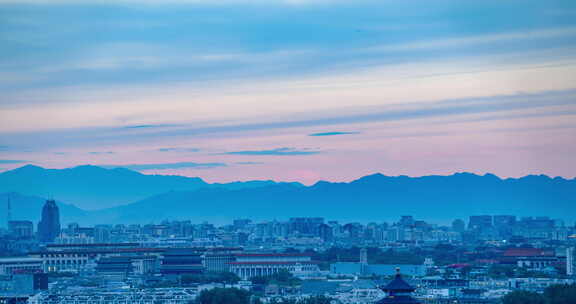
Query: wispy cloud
[(166, 166), (101, 152), (12, 161), (480, 39), (164, 2), (249, 163), (503, 107), (172, 149), (148, 126), (278, 151), (332, 133)]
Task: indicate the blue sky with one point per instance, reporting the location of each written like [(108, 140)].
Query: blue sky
[(380, 86)]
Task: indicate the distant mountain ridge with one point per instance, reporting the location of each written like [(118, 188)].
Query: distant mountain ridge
[(92, 187), (374, 197)]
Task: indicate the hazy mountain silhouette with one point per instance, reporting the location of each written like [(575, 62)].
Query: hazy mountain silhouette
[(371, 198), (30, 208), (93, 187)]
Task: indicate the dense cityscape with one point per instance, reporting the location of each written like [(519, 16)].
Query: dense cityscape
[(482, 259), (287, 152)]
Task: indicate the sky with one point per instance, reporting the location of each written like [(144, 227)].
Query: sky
[(290, 90)]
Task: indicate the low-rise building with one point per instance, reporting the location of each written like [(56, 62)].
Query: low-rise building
[(264, 264), (10, 266), (146, 296)]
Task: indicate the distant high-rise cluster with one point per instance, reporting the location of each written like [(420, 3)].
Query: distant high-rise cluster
[(571, 261), (49, 226)]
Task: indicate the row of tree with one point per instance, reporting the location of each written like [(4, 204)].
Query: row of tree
[(282, 278), (555, 294)]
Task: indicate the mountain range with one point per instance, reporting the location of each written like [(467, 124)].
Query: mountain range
[(126, 196), (93, 187)]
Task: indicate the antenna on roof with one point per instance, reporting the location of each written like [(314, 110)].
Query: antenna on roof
[(9, 210)]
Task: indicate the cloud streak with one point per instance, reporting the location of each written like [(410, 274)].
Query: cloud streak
[(332, 133), (249, 163), (506, 107), (172, 149), (167, 166), (459, 42), (12, 161), (148, 126), (276, 152)]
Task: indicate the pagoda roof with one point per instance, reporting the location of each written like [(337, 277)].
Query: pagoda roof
[(398, 284)]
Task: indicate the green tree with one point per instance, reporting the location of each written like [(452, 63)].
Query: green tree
[(560, 294), (210, 277), (282, 277), (523, 297), (224, 296), (311, 300), (501, 271), (316, 300)]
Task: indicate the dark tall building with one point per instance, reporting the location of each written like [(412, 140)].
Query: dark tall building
[(49, 226), (29, 283)]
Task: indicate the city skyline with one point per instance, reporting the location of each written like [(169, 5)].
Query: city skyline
[(287, 151), (290, 90)]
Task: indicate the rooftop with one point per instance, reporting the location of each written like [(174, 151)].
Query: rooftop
[(398, 284)]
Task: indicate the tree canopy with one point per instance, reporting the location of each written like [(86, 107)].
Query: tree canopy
[(210, 277), (555, 294), (311, 300), (282, 277), (224, 296)]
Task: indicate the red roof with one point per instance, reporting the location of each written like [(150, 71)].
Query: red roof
[(271, 263), (94, 245), (525, 252)]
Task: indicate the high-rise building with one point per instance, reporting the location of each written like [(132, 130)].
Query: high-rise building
[(458, 225), (571, 261), (21, 229), (49, 225), (8, 212), (501, 221), (305, 225), (241, 223), (406, 220), (364, 256), (480, 222)]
